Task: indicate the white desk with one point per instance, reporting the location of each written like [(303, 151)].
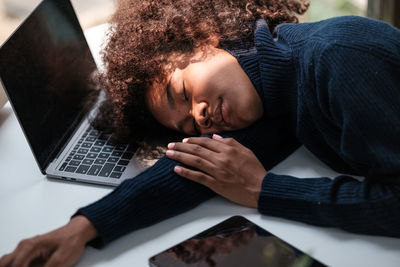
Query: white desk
[(31, 204)]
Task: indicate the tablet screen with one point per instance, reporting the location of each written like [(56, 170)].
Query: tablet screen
[(234, 242)]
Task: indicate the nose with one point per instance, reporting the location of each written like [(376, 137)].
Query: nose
[(201, 115)]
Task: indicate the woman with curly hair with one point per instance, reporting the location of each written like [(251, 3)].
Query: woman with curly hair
[(246, 70)]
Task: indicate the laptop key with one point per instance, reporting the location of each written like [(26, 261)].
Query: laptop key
[(104, 155), (100, 161), (123, 162), (127, 156), (95, 149), (106, 170), (120, 147), (87, 161), (113, 159), (68, 159), (87, 145), (111, 142), (90, 139), (83, 151), (91, 155), (104, 136), (119, 168), (79, 157), (70, 169), (108, 149), (83, 169), (74, 163), (94, 133), (94, 170), (115, 175), (117, 153), (63, 166), (99, 143)]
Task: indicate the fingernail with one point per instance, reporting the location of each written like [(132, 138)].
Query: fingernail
[(170, 153), (185, 140), (216, 136), (178, 169), (171, 145)]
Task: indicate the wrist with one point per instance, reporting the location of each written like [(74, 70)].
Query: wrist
[(82, 228), (259, 188)]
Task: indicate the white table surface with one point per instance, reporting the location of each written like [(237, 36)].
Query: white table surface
[(31, 204)]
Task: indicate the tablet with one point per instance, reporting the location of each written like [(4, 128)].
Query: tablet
[(235, 242)]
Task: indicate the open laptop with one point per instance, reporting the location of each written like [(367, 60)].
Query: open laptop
[(46, 68)]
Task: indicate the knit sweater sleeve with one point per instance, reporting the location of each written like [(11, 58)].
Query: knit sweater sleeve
[(155, 194), (362, 98), (362, 207)]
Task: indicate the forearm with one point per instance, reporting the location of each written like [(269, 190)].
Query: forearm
[(154, 195), (362, 207)]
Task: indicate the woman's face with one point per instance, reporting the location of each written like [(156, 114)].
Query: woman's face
[(210, 94)]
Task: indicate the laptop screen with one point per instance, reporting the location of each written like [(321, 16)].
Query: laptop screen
[(46, 69)]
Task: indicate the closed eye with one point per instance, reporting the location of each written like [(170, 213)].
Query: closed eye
[(184, 91)]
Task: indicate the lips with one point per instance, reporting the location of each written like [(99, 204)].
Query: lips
[(220, 113), (224, 114)]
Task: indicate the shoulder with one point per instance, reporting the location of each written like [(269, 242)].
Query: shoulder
[(351, 31)]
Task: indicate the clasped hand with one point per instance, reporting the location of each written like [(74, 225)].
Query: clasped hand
[(223, 164)]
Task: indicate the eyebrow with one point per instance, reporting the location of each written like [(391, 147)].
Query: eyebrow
[(171, 101)]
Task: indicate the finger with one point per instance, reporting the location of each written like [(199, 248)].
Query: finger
[(25, 253), (211, 144), (217, 137), (195, 176), (193, 149), (56, 260), (65, 255), (62, 257), (6, 260), (191, 160), (227, 141)]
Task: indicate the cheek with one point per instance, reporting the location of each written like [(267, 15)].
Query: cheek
[(201, 81)]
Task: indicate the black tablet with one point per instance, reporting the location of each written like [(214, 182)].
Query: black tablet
[(235, 242)]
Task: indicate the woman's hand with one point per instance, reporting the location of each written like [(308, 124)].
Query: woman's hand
[(61, 247), (226, 167)]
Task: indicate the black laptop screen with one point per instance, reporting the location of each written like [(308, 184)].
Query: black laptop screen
[(46, 69)]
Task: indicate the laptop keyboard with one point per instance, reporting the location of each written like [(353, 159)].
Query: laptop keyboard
[(98, 154)]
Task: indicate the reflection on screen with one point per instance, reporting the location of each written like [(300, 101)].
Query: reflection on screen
[(235, 242), (46, 68)]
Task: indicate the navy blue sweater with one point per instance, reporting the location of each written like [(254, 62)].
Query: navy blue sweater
[(333, 86)]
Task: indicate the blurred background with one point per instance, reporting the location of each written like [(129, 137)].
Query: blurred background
[(95, 12)]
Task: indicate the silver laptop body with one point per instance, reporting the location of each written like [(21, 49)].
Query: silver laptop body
[(46, 68)]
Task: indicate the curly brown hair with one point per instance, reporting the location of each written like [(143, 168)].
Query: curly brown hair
[(146, 35)]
